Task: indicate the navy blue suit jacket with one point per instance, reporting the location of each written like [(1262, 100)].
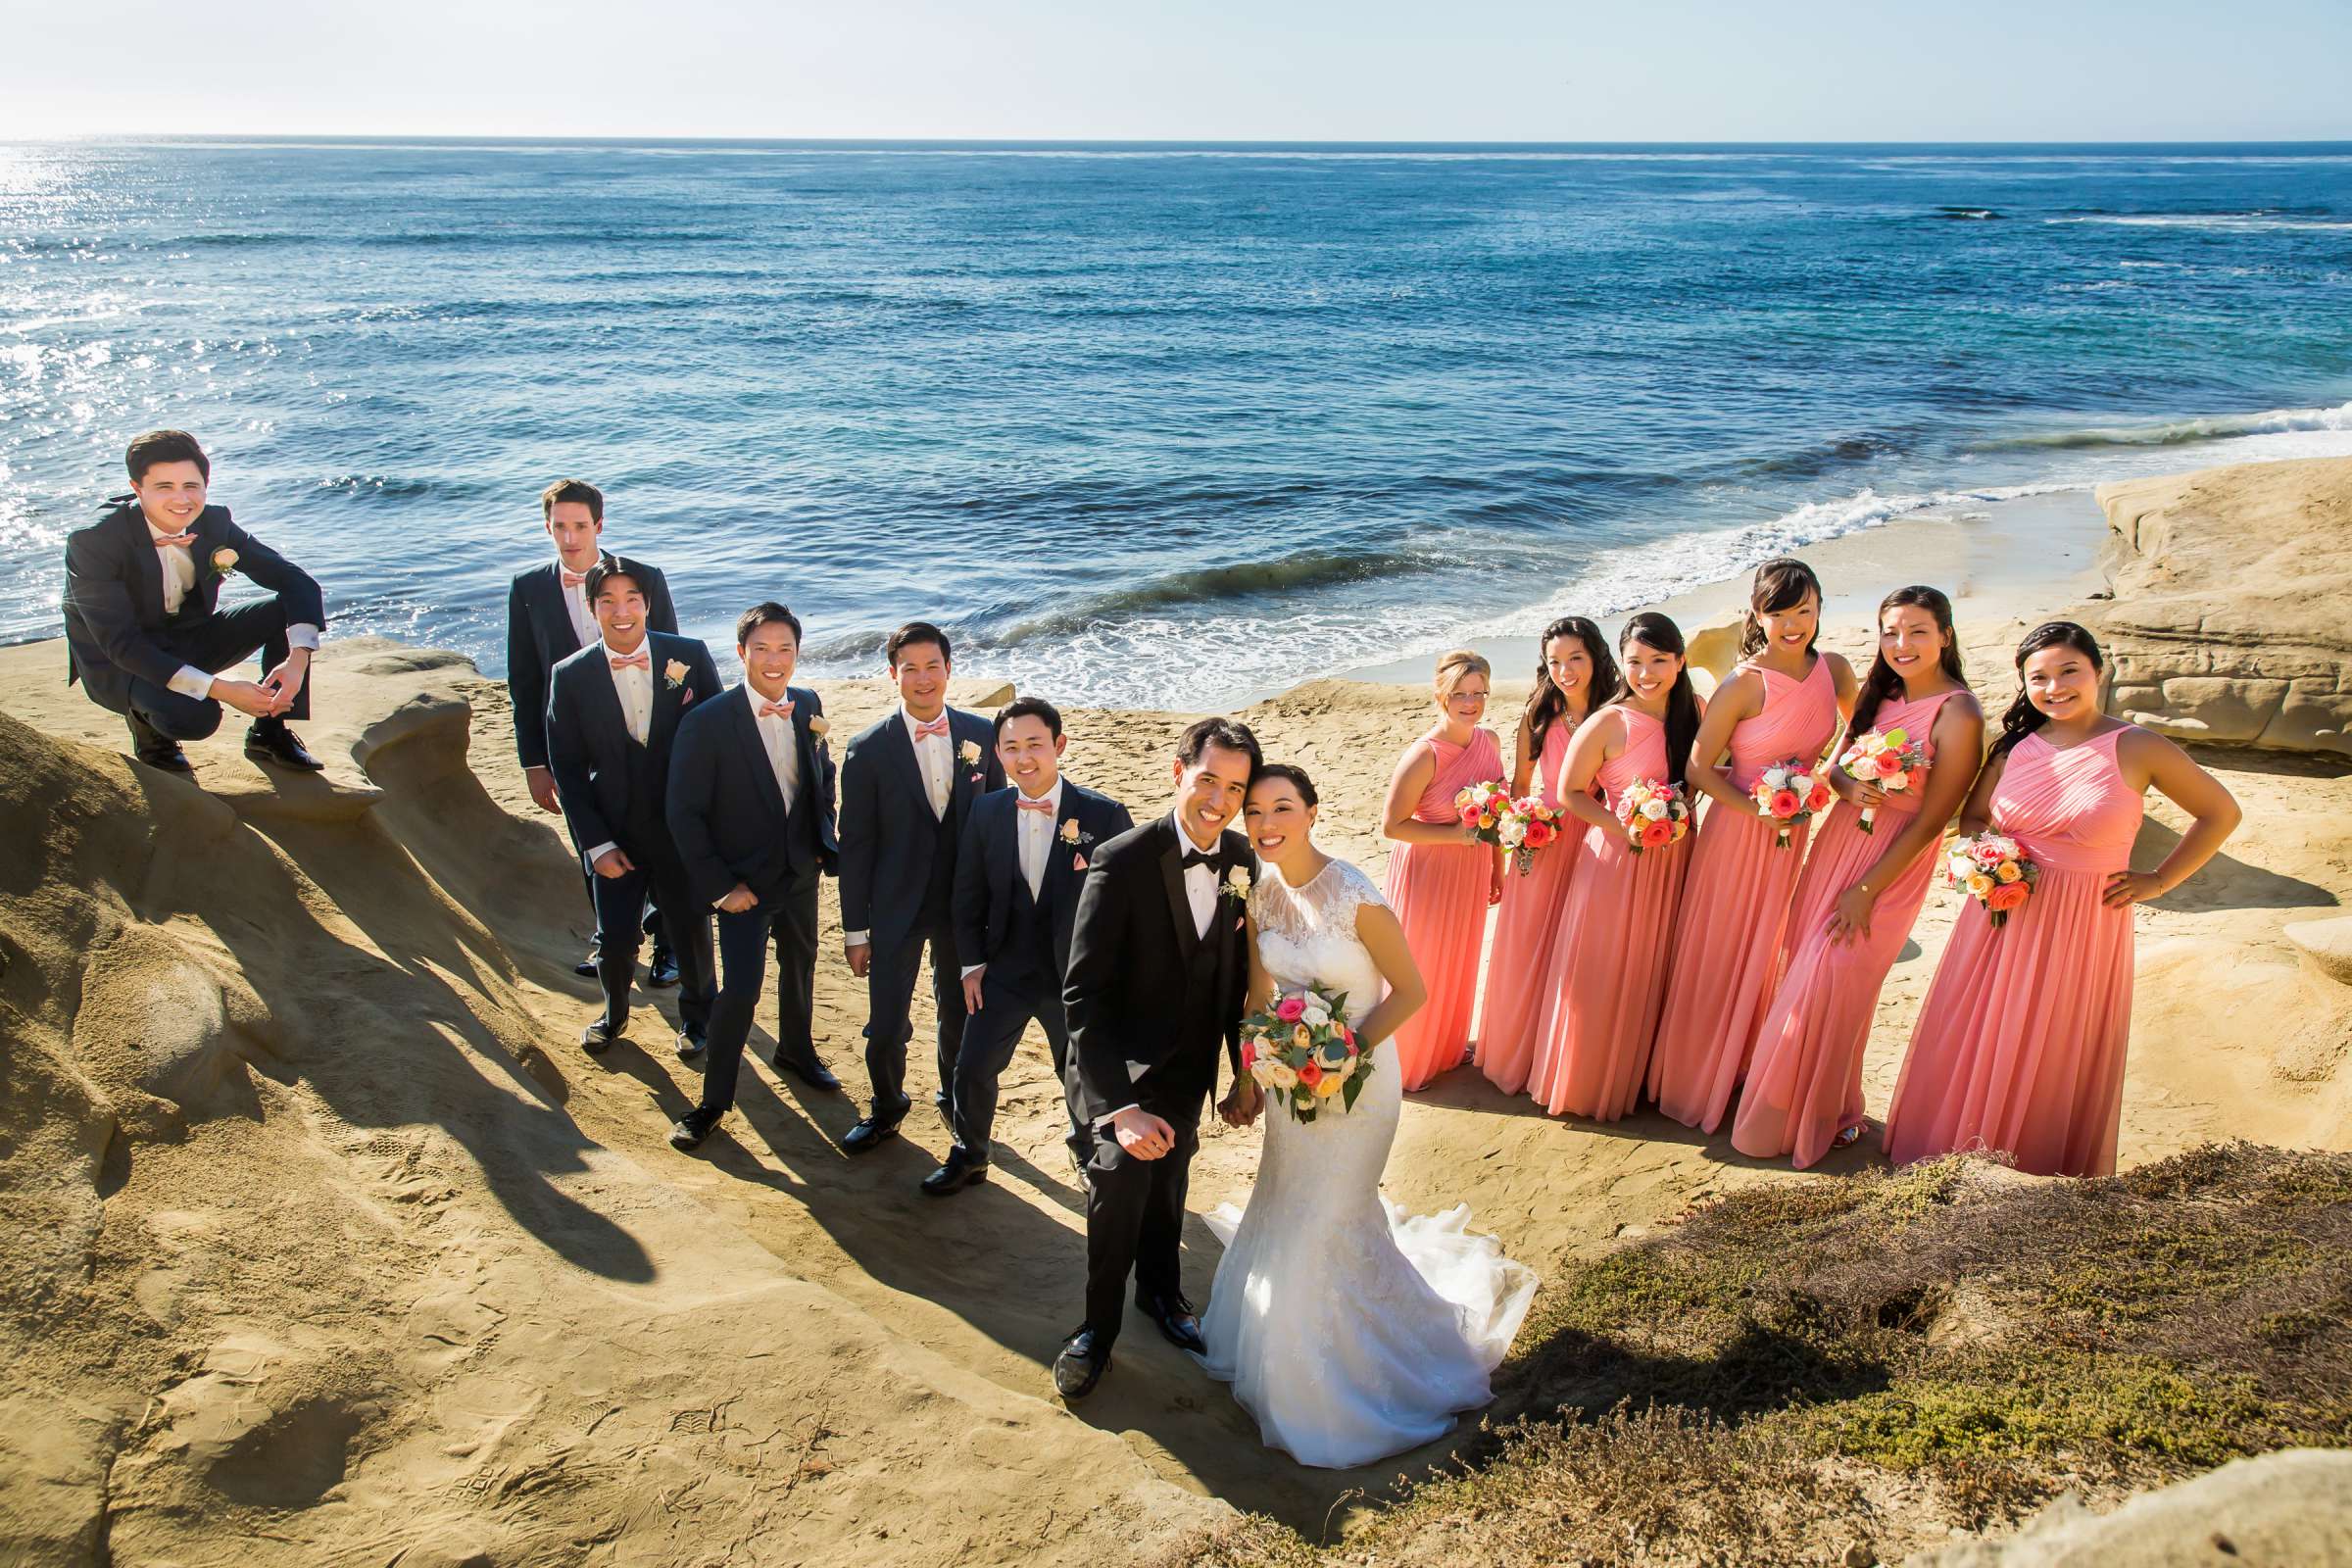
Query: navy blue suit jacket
[(888, 834), (114, 597), (726, 815), (988, 874), (539, 637), (614, 790)]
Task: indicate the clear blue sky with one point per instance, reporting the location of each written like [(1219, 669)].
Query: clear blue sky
[(1223, 70)]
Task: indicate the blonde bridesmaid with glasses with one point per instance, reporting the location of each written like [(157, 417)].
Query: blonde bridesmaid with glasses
[(1782, 702), (1863, 887), (1576, 674), (1441, 878), (2020, 1045), (1607, 969)]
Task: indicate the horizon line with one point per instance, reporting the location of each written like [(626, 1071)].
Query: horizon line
[(861, 141)]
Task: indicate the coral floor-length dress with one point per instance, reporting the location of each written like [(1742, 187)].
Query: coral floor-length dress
[(1608, 958), (1518, 969), (2020, 1045), (1804, 1080), (1727, 946), (1438, 892)]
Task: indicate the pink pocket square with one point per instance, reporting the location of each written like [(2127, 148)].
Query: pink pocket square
[(1078, 863)]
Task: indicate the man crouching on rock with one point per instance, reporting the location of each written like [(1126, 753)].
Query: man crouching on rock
[(144, 633)]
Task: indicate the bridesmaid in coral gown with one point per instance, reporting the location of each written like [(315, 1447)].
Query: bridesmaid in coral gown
[(1441, 878), (1577, 672), (2020, 1045), (1861, 891), (1608, 960), (1783, 701)]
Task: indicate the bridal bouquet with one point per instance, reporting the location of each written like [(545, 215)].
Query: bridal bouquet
[(1787, 794), (1302, 1053), (1890, 758), (1991, 868), (1655, 814), (1522, 826)]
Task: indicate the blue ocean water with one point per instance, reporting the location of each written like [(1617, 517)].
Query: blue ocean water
[(1141, 423)]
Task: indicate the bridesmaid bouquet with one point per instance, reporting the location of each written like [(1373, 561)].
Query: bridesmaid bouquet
[(1890, 758), (1992, 868), (1303, 1055), (1787, 794), (1655, 814), (1522, 826)]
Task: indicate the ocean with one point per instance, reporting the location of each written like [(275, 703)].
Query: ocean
[(1163, 425)]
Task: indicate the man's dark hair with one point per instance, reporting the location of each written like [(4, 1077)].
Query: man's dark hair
[(1222, 733), (918, 631), (767, 613), (165, 445), (607, 569), (579, 490), (1030, 708)]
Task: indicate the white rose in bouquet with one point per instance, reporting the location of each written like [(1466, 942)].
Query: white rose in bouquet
[(1654, 810)]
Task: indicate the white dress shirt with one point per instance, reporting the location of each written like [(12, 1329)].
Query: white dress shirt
[(783, 748), (179, 564), (935, 761), (1200, 891), (635, 689), (575, 604), (1033, 839)]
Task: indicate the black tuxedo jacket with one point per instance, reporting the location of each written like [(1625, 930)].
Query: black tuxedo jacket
[(539, 637), (991, 894), (726, 815), (614, 790), (1148, 1000), (889, 837), (114, 597)]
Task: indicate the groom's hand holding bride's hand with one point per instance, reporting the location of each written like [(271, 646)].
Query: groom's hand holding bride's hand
[(1142, 1134), (1241, 1107)]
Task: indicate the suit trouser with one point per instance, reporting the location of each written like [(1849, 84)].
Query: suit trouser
[(618, 898), (1135, 1220), (743, 943), (890, 999), (795, 935), (986, 1048), (214, 643), (648, 919)]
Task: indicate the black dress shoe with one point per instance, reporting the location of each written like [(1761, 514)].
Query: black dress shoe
[(586, 968), (280, 747), (875, 1130), (664, 970), (1177, 1324), (597, 1037), (1080, 1365), (692, 1128), (690, 1045), (961, 1170), (811, 1070), (167, 756)]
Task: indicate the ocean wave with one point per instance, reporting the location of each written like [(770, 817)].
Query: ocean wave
[(1211, 586), (2177, 432), (2228, 222)]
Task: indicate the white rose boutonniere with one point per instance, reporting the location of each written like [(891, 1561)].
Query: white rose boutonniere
[(673, 673), (818, 727), (969, 752), (225, 562), (1237, 882)]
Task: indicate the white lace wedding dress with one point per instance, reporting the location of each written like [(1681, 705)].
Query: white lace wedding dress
[(1350, 1331)]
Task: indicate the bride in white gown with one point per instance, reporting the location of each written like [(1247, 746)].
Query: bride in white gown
[(1349, 1330)]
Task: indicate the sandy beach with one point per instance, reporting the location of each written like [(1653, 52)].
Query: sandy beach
[(328, 1246)]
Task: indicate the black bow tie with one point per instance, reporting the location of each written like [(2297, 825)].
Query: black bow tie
[(1192, 858)]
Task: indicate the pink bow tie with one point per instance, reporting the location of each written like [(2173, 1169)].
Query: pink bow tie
[(571, 578), (181, 540), (937, 726), (775, 710), (640, 659), (1025, 803)]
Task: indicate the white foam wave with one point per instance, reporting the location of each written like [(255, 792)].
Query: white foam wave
[(2227, 222), (2177, 432)]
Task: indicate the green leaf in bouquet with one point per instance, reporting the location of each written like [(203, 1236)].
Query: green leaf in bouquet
[(1334, 1053), (1353, 1087), (1895, 739)]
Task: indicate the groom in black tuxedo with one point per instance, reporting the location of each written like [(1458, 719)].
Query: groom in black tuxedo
[(1024, 856), (1159, 966), (612, 713), (907, 783), (548, 620), (750, 809), (144, 631)]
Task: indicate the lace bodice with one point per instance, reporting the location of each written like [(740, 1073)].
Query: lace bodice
[(1306, 936)]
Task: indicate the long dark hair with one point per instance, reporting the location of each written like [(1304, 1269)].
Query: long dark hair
[(1654, 630), (1882, 685), (1781, 584), (1547, 704), (2022, 717)]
